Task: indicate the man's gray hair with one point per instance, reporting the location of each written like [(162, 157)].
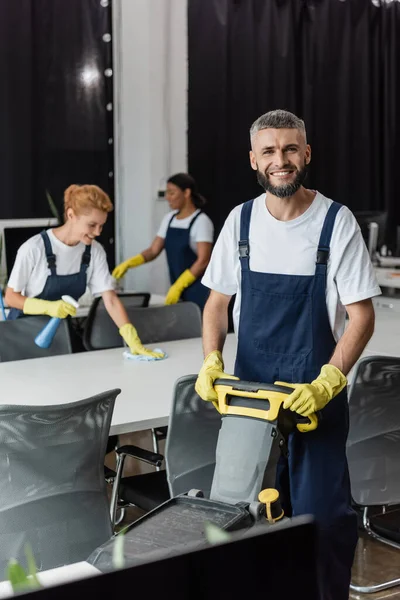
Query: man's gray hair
[(278, 119)]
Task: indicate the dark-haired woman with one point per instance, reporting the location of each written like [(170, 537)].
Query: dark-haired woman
[(187, 235)]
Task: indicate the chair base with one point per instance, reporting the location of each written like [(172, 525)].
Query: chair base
[(379, 587)]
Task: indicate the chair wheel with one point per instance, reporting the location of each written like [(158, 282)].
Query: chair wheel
[(195, 493), (257, 510)]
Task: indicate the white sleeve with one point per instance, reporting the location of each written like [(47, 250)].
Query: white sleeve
[(203, 229), (221, 273), (100, 280), (23, 267), (162, 231), (350, 262)]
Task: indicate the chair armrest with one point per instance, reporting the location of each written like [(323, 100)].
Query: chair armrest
[(141, 454)]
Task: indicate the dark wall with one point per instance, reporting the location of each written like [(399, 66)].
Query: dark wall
[(335, 63), (54, 126)]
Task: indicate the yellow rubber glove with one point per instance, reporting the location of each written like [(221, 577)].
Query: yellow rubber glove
[(308, 398), (132, 340), (122, 268), (212, 369), (176, 289), (56, 308)]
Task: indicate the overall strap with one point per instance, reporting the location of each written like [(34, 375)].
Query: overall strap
[(86, 258), (51, 258), (193, 220), (171, 219), (325, 238), (244, 246)]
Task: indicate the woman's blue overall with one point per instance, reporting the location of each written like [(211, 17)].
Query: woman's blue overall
[(180, 257), (59, 285)]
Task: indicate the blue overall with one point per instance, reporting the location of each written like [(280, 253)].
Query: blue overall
[(180, 257), (285, 335), (58, 285)]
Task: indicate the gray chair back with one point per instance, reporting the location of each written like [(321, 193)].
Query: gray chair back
[(192, 439), (167, 323), (52, 489), (373, 447), (100, 331), (17, 339)]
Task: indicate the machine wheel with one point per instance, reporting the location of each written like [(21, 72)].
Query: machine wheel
[(257, 510), (193, 493)]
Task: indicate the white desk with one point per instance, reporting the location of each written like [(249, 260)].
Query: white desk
[(146, 387), (57, 576), (388, 277), (386, 339)]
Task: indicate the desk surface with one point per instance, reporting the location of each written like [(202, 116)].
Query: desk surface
[(386, 337), (146, 387), (56, 576), (388, 277)]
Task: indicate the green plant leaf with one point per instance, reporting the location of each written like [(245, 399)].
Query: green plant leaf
[(17, 577), (118, 558), (52, 206), (32, 568), (215, 535)]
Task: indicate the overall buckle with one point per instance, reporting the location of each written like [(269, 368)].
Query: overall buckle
[(244, 250), (322, 256)]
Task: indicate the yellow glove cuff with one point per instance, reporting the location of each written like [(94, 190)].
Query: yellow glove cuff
[(135, 261), (332, 380), (184, 280), (128, 331), (214, 358), (33, 306)]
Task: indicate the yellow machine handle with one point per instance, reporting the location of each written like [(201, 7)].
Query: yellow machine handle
[(269, 399)]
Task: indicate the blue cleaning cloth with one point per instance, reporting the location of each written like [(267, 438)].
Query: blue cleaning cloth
[(3, 312), (142, 357)]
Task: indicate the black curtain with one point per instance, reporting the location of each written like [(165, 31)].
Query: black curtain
[(55, 128), (335, 63)]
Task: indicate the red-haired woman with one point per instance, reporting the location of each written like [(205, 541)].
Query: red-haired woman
[(64, 261)]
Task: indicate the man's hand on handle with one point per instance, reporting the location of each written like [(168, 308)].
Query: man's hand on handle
[(309, 398), (212, 369)]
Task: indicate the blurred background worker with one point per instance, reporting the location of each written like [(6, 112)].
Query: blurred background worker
[(64, 261), (187, 235)]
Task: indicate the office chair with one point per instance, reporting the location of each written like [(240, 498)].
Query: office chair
[(100, 331), (158, 324), (373, 449), (52, 488), (17, 339), (190, 454)]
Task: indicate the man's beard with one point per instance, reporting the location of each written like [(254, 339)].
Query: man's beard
[(287, 189)]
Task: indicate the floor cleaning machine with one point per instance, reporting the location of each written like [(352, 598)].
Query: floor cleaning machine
[(254, 433)]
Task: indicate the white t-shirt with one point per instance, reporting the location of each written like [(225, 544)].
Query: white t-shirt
[(290, 247), (202, 230), (30, 270)]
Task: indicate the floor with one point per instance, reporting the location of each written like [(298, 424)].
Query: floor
[(374, 562)]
